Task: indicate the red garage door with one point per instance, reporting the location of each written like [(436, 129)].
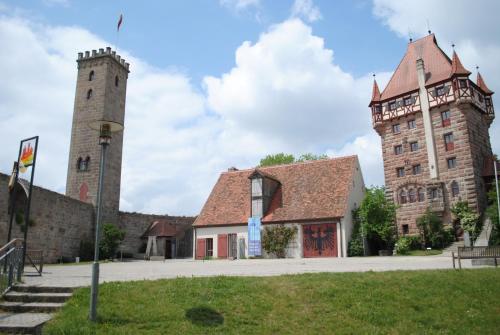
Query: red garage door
[(200, 248), (320, 240), (222, 246)]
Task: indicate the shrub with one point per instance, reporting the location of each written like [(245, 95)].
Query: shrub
[(432, 232), (468, 219), (276, 239), (403, 245), (355, 246), (378, 216), (492, 213), (111, 238)]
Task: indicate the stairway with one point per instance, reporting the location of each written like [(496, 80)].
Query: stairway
[(26, 308)]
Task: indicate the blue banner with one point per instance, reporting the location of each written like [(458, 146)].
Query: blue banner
[(254, 247)]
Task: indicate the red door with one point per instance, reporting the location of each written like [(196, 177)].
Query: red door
[(320, 240), (200, 248), (222, 246)]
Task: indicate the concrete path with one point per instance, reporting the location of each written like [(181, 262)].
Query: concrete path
[(80, 275)]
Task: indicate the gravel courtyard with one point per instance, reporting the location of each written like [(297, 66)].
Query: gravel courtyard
[(80, 275)]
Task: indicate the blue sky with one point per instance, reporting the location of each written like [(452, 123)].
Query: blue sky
[(221, 83)]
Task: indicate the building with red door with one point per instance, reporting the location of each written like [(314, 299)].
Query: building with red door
[(434, 123), (317, 197)]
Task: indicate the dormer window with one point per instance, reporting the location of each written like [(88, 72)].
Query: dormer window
[(263, 189)]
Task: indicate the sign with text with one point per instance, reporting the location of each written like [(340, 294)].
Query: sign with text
[(254, 245)]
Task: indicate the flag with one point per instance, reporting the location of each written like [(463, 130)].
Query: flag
[(120, 20)]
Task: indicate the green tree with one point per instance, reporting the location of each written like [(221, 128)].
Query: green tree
[(111, 238), (282, 158), (492, 213), (468, 219), (275, 239), (432, 231), (355, 246), (378, 216)]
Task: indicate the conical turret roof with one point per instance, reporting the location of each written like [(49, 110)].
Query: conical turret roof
[(482, 85), (456, 66)]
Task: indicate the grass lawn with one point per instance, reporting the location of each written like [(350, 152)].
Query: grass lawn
[(399, 302), (425, 252)]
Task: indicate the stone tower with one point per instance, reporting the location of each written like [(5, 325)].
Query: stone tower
[(100, 95), (434, 122)]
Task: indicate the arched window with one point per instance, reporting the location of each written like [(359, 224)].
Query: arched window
[(455, 190), (411, 195), (89, 94), (91, 75), (421, 195), (402, 197), (78, 163), (117, 81), (83, 164)]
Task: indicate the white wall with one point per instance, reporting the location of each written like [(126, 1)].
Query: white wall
[(356, 195), (213, 232)]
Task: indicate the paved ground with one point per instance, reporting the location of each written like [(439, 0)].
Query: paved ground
[(79, 275)]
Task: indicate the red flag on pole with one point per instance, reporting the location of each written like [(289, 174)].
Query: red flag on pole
[(120, 20)]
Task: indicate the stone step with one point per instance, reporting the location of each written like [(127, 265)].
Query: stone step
[(36, 297), (24, 307), (42, 289), (23, 323)]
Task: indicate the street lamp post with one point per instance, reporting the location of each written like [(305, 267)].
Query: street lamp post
[(105, 129), (496, 185)]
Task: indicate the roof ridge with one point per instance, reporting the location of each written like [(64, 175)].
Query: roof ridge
[(290, 164)]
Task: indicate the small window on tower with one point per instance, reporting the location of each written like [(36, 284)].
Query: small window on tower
[(440, 90), (448, 142), (463, 83), (445, 118), (421, 195), (89, 94), (378, 109), (398, 149), (117, 80), (393, 105), (480, 98), (406, 229), (91, 75), (413, 146), (396, 129), (412, 124), (400, 171), (434, 194), (402, 197), (416, 169), (452, 162), (412, 195), (455, 190), (408, 101)]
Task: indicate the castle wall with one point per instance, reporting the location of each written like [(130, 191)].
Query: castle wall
[(135, 224), (60, 222)]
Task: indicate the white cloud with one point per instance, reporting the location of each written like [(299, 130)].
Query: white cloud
[(51, 3), (284, 94), (240, 5), (307, 10), (473, 29)]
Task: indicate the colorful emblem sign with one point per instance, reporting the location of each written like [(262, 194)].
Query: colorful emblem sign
[(27, 156), (254, 244)]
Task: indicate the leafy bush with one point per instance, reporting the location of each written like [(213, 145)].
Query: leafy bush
[(276, 238), (403, 245), (111, 238), (20, 220), (468, 219), (355, 246), (378, 216), (492, 213), (432, 231)]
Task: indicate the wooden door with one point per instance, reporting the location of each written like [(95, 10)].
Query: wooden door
[(200, 248), (168, 248), (222, 246), (320, 240)]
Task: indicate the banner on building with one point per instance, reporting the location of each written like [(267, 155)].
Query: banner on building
[(254, 245)]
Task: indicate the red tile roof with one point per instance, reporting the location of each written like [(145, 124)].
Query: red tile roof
[(457, 67), (437, 67), (482, 85), (160, 228), (308, 191), (375, 92)]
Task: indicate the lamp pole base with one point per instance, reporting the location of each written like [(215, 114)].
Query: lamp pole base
[(94, 292)]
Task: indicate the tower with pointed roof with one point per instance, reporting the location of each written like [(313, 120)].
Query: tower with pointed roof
[(434, 122)]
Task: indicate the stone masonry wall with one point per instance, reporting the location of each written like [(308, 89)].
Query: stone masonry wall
[(471, 145), (135, 224), (60, 222)]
